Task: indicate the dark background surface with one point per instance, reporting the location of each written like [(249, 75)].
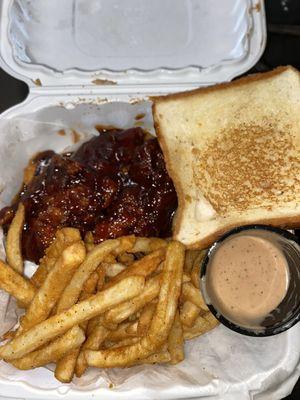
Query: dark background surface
[(283, 47)]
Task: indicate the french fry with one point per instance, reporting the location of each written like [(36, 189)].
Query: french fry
[(146, 318), (148, 245), (190, 256), (192, 294), (13, 240), (80, 312), (64, 370), (93, 342), (111, 259), (92, 323), (161, 323), (65, 367), (132, 328), (90, 264), (63, 238), (52, 288), (145, 266), (124, 310), (203, 324), (101, 272), (176, 341), (90, 284), (51, 352), (195, 272), (186, 278), (124, 331), (126, 259), (97, 337), (16, 285), (114, 269), (124, 342), (89, 241), (189, 313), (8, 335)]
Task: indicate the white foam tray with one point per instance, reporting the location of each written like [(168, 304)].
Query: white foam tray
[(94, 59)]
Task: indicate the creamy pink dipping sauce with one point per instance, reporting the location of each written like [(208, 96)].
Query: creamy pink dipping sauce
[(247, 278)]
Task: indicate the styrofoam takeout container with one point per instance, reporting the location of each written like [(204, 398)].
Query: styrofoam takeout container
[(93, 62)]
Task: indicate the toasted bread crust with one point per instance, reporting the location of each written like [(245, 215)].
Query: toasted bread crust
[(176, 180), (284, 223), (226, 85)]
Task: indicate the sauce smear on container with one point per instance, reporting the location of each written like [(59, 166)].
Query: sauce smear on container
[(247, 278)]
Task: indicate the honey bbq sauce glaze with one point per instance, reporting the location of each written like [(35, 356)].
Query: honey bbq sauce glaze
[(115, 184)]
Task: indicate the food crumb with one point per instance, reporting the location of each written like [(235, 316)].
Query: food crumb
[(37, 82), (139, 116), (103, 82), (61, 132), (75, 136)]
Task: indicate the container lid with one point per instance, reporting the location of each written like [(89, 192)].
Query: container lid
[(139, 43)]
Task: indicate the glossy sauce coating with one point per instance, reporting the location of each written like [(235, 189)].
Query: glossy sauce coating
[(247, 278), (115, 184)]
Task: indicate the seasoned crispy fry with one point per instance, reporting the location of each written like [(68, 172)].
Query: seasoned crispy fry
[(145, 266), (145, 318), (109, 325), (53, 351), (124, 331), (132, 328), (176, 342), (195, 272), (89, 241), (63, 238), (8, 335), (114, 269), (16, 285), (203, 324), (111, 259), (186, 278), (189, 313), (192, 294), (190, 256), (64, 369), (56, 281), (124, 342), (90, 284), (97, 336), (126, 259), (95, 339), (92, 323), (93, 342), (101, 272), (147, 245), (90, 264), (13, 240), (161, 323), (121, 312), (80, 312)]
